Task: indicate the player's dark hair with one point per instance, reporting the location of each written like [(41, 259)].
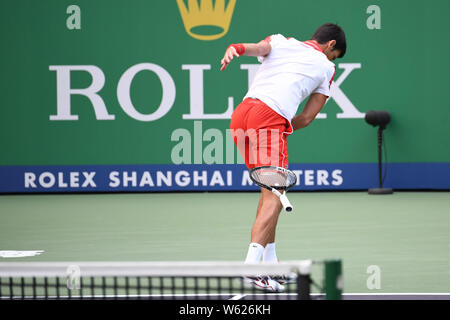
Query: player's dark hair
[(331, 31)]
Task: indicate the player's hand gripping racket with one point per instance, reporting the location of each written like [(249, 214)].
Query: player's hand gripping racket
[(275, 179)]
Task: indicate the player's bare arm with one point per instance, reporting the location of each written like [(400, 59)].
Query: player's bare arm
[(313, 106), (261, 48)]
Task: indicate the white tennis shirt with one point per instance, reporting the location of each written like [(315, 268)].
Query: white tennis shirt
[(290, 73)]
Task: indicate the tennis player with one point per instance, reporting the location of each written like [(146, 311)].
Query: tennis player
[(290, 71)]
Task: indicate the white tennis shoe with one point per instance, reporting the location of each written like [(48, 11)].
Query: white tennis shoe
[(264, 283), (285, 279)]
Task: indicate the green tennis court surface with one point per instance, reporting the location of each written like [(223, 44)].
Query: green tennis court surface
[(405, 235)]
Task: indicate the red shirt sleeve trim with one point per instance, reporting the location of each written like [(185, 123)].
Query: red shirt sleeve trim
[(313, 44), (332, 76)]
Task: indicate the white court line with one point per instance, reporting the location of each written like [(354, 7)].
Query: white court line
[(427, 294), (19, 254), (398, 294)]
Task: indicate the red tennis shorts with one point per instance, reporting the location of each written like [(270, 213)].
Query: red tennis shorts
[(260, 134)]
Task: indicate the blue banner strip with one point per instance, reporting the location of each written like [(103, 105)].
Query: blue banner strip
[(149, 178)]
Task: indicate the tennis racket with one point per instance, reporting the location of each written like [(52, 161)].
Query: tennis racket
[(275, 179)]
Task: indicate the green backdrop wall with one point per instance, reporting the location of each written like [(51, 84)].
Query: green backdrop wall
[(401, 67)]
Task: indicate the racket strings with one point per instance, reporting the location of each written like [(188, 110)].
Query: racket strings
[(274, 178)]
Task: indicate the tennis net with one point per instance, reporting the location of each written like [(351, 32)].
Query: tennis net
[(223, 280)]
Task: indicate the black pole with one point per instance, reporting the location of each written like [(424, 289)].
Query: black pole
[(303, 287), (380, 189)]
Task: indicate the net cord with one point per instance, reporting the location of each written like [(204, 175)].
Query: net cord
[(171, 268)]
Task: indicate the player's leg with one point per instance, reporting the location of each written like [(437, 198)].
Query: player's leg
[(264, 227), (263, 231), (269, 254)]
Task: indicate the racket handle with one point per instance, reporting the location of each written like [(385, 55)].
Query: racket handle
[(285, 202)]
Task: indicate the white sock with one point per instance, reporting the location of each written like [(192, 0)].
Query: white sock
[(255, 252), (269, 254)]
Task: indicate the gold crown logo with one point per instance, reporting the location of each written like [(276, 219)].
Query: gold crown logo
[(206, 15)]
